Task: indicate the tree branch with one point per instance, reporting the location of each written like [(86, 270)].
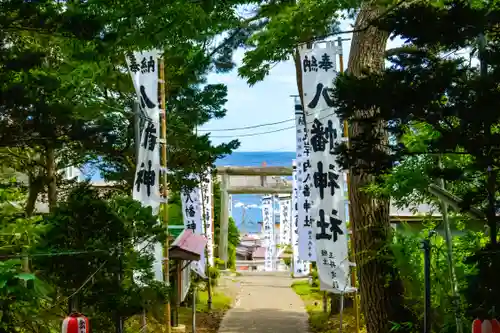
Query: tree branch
[(402, 49), (230, 38), (368, 25)]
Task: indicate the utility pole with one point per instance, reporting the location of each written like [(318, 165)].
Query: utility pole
[(243, 212)]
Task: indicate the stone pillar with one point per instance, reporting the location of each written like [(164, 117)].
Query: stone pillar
[(224, 219)]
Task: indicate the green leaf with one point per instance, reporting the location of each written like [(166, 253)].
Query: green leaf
[(26, 276)]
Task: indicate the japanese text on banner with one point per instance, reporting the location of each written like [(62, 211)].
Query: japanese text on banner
[(192, 214), (206, 190), (143, 70), (300, 267), (268, 228), (307, 250), (324, 132), (285, 206)]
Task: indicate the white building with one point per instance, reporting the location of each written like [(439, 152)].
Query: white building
[(72, 172)]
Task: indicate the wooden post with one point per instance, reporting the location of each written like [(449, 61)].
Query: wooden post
[(166, 266), (193, 309), (352, 254), (325, 302), (176, 285)]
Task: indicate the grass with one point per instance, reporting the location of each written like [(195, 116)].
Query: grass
[(219, 301), (206, 321), (319, 321)]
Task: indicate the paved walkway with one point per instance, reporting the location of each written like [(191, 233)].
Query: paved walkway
[(266, 304)]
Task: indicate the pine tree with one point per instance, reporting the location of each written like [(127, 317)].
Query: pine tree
[(66, 94), (450, 96)]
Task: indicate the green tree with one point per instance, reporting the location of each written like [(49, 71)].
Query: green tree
[(449, 95), (66, 90), (232, 242), (89, 262), (21, 293)]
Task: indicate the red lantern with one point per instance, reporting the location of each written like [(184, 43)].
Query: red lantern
[(487, 326), (76, 323)]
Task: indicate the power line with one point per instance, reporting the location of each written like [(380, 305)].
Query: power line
[(50, 254), (252, 126), (246, 127), (267, 132), (252, 134)]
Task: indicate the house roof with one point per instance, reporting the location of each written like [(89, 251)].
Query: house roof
[(260, 253), (415, 212), (250, 238), (188, 246)]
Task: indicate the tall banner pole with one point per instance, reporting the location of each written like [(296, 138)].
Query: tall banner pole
[(352, 254), (165, 190)]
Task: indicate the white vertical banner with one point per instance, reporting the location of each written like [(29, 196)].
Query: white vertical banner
[(143, 68), (300, 267), (285, 209), (268, 227), (206, 189), (192, 214), (186, 281), (327, 200), (276, 234), (307, 250), (144, 71)]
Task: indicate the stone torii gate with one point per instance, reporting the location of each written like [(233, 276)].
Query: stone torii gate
[(247, 180)]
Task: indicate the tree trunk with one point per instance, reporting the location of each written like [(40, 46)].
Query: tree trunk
[(380, 287), (35, 187), (51, 177), (298, 74)]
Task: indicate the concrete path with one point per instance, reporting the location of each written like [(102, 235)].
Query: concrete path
[(266, 304)]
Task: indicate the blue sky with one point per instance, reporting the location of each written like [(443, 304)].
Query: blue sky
[(266, 102)]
